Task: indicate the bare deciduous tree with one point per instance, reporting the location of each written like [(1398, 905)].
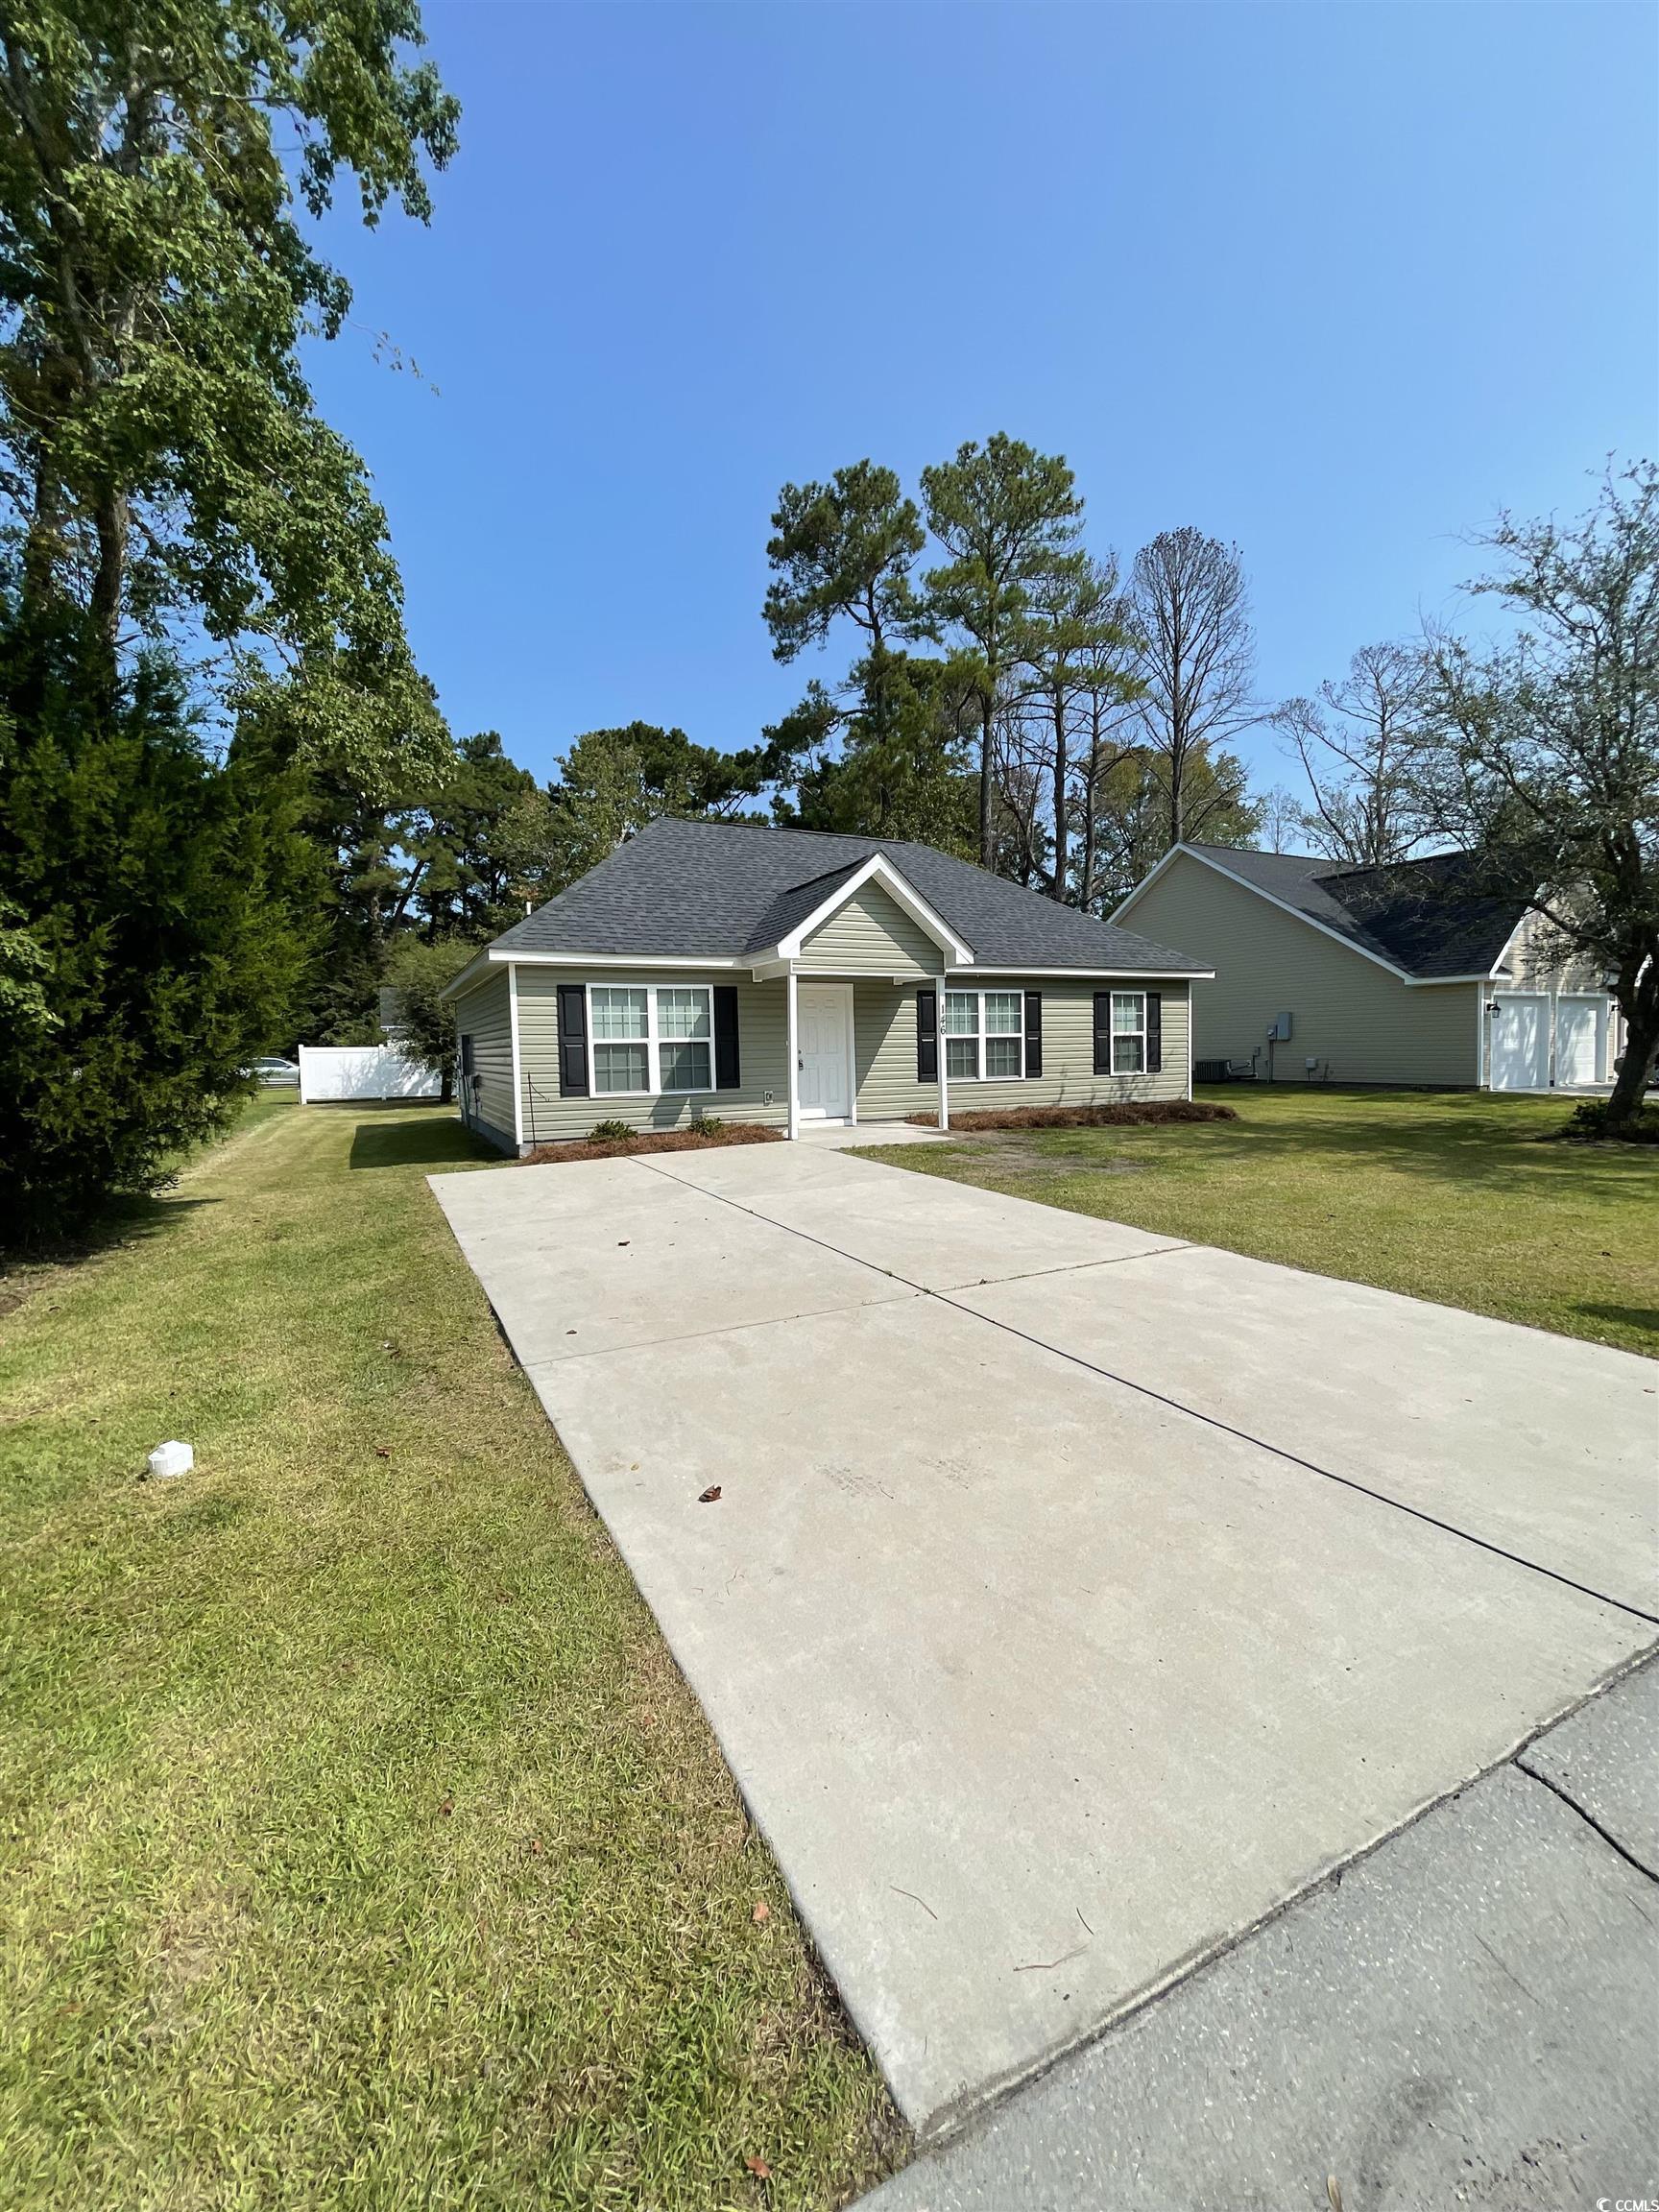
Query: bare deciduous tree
[(1547, 764), (1196, 661), (1075, 659), (1361, 747)]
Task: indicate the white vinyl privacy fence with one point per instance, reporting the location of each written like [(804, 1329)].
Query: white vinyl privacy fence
[(340, 1072)]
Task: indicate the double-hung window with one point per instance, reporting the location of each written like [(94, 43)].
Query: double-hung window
[(984, 1036), (1128, 1032), (651, 1040), (685, 1039)]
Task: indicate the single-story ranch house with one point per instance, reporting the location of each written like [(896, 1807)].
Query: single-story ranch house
[(1403, 974), (786, 976)]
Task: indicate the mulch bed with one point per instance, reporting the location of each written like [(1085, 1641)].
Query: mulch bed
[(651, 1141), (1129, 1114)]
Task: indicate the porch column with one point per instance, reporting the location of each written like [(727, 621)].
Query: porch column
[(938, 1038), (794, 1055)]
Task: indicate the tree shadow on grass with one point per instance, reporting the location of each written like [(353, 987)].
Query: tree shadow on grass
[(1644, 1318), (429, 1140), (123, 1222)]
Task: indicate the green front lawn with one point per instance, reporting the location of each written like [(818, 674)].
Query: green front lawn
[(362, 1845), (1448, 1196)]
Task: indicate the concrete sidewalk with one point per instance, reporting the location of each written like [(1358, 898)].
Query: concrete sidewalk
[(1044, 1677), (1470, 2015)]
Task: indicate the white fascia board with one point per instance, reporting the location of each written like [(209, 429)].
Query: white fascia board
[(493, 956), (878, 869), (476, 971)]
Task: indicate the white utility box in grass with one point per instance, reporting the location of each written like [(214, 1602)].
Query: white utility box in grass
[(171, 1459)]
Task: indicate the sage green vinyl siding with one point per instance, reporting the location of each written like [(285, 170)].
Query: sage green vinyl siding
[(1532, 961), (485, 1014), (871, 935), (884, 1049), (762, 1057), (1369, 1025)]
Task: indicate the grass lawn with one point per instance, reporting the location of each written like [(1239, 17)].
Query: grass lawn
[(362, 1845), (1448, 1196)]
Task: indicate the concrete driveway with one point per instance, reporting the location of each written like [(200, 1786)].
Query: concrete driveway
[(1073, 1598)]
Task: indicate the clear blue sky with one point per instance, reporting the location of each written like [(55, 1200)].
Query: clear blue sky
[(1334, 281)]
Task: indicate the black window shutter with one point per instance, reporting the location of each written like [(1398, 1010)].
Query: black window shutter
[(1033, 1033), (1154, 1032), (727, 1073), (927, 1036), (1102, 1032), (572, 1041)]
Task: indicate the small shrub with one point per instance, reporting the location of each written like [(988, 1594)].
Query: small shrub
[(1588, 1125), (631, 1143), (1129, 1114), (706, 1125)]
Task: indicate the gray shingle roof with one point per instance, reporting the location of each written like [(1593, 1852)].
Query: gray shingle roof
[(1429, 917), (726, 890)]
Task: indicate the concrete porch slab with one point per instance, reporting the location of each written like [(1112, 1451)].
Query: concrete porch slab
[(1541, 1445)]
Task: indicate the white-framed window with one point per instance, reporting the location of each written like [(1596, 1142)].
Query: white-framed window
[(684, 1037), (985, 1036), (645, 1040), (1128, 1032)]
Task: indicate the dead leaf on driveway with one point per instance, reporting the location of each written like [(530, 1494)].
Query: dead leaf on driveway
[(710, 1496)]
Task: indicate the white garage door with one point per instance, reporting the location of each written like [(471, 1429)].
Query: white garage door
[(1579, 1040), (1521, 1042)]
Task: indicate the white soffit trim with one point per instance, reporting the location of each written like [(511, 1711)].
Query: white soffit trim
[(476, 971), (878, 869)]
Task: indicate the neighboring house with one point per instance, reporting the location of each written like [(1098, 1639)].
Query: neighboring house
[(786, 976), (1403, 974)]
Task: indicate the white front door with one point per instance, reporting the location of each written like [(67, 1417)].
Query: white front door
[(1579, 1040), (1520, 1043), (822, 1018)]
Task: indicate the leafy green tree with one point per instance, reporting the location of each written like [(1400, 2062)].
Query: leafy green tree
[(165, 462), (166, 901), (614, 782), (423, 1022), (1074, 653), (479, 845), (900, 768), (1547, 759), (1131, 824), (25, 1010), (1005, 515), (843, 549)]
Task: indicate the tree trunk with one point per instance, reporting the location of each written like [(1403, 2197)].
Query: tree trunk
[(1639, 1003), (987, 710), (109, 584), (1060, 766)]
